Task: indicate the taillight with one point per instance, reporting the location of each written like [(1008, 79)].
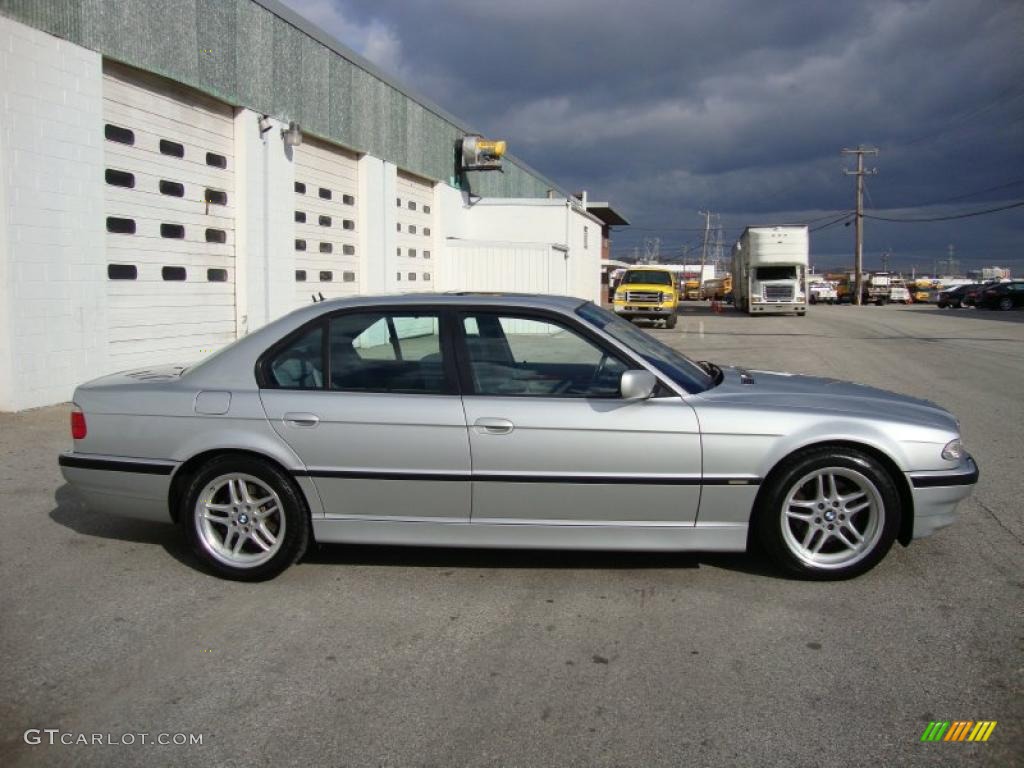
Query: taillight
[(78, 430)]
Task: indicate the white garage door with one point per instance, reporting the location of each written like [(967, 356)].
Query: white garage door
[(326, 208), (414, 270), (169, 220)]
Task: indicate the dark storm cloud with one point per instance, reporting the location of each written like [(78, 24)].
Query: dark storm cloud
[(737, 105)]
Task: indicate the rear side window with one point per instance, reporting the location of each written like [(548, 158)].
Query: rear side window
[(299, 365), (385, 352)]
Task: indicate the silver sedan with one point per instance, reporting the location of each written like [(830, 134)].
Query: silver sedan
[(508, 421)]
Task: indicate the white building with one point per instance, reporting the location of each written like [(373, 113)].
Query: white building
[(148, 218)]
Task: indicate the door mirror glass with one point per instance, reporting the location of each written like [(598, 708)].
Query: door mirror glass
[(637, 385)]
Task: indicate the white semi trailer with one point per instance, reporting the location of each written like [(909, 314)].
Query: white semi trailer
[(769, 270)]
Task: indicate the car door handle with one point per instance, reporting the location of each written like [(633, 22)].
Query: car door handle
[(301, 419), (488, 426)]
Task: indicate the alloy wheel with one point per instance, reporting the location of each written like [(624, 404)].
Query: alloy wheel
[(240, 520), (832, 517)]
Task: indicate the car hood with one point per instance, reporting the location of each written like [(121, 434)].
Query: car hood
[(774, 389)]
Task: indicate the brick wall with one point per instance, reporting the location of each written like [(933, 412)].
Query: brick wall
[(52, 265)]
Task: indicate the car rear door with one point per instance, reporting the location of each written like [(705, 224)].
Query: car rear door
[(369, 401), (552, 440)]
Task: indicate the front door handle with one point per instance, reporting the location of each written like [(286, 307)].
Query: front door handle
[(487, 426), (301, 419)]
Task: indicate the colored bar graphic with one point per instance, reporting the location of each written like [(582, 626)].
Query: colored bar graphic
[(935, 730), (982, 730), (958, 730)]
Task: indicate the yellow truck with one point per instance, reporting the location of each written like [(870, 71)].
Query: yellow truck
[(648, 293)]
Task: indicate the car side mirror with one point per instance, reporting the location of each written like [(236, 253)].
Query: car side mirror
[(637, 385)]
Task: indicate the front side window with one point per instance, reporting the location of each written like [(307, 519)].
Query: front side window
[(387, 352), (675, 365), (525, 356)]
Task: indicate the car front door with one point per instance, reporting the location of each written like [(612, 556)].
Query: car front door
[(369, 401), (553, 441)]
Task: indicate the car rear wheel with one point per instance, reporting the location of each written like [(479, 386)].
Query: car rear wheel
[(244, 518), (1006, 303), (829, 513)]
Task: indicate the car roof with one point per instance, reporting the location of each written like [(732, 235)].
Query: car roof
[(457, 299)]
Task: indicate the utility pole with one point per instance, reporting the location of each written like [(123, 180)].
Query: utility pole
[(858, 246), (704, 249)]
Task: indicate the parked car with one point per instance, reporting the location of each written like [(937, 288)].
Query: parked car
[(507, 421), (1009, 295), (953, 297)]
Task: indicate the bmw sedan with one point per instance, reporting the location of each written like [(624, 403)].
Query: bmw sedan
[(507, 421)]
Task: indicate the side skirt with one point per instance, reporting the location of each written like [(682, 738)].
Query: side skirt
[(660, 538)]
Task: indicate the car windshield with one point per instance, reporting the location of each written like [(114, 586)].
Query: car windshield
[(647, 276), (675, 365), (776, 273)]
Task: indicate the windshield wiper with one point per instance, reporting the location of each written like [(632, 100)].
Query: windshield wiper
[(712, 370)]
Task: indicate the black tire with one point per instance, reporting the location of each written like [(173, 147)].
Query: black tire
[(1006, 304), (293, 518), (800, 314), (881, 522), (670, 321)]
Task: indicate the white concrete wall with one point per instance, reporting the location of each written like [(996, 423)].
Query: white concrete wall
[(265, 227), (52, 260)]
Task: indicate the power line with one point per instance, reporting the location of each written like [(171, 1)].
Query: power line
[(1017, 204), (845, 218)]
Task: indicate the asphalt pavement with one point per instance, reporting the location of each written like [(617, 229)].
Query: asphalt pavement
[(376, 656)]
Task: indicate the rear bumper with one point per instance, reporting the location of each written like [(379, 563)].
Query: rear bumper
[(937, 494), (124, 486)]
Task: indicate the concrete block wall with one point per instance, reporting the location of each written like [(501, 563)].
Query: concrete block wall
[(52, 261)]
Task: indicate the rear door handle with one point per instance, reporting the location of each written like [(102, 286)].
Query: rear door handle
[(488, 426), (301, 419)]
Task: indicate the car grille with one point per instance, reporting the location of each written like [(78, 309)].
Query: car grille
[(778, 293), (643, 297)]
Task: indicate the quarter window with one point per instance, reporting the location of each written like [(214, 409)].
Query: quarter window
[(378, 352), (525, 356), (300, 364)]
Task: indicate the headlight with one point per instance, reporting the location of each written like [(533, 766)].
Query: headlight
[(665, 297), (954, 451)]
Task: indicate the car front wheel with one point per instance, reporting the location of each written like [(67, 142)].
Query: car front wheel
[(1006, 303), (244, 518), (829, 513)]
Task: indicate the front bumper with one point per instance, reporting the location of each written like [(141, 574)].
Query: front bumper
[(641, 310), (936, 495), (123, 486), (778, 307)]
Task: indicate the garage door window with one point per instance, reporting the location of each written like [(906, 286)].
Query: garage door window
[(376, 352), (530, 357)]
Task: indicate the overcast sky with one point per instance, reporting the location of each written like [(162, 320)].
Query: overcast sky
[(737, 106)]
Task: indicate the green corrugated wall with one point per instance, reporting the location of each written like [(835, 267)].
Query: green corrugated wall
[(247, 55)]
